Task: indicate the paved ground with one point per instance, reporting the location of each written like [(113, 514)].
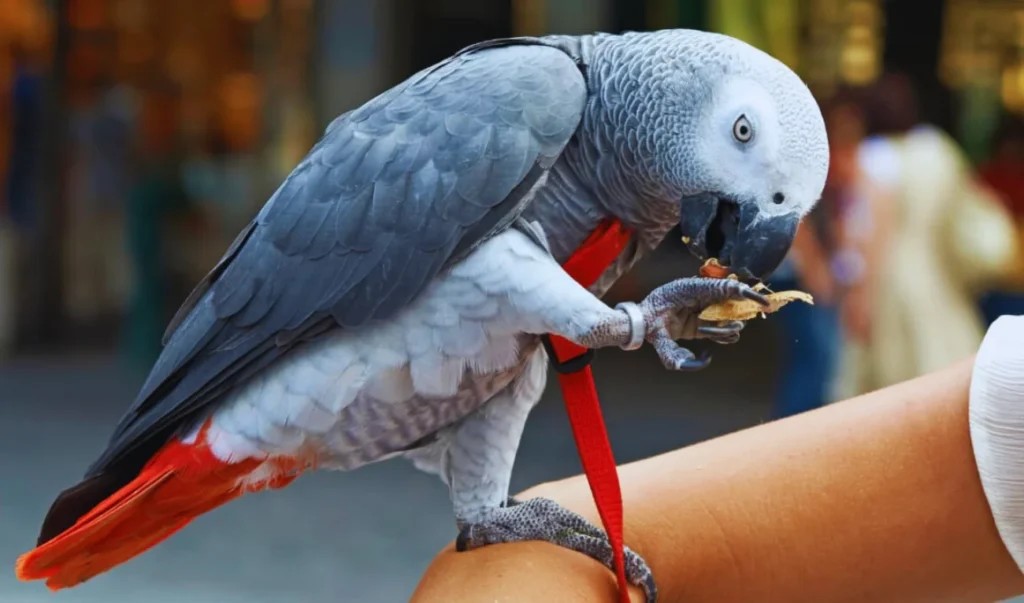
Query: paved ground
[(363, 536)]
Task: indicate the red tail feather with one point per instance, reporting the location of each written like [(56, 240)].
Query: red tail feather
[(180, 483)]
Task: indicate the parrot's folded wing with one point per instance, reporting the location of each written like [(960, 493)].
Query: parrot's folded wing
[(394, 191)]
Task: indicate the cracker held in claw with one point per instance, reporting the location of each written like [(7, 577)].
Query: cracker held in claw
[(745, 309)]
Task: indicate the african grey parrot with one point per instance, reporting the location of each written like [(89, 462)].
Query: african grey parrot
[(390, 297)]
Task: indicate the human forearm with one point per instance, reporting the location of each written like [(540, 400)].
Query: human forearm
[(873, 499)]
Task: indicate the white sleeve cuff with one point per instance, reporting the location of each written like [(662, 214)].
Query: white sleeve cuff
[(997, 427)]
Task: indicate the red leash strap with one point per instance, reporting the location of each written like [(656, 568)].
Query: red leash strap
[(572, 363)]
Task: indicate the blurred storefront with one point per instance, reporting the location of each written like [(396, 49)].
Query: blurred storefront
[(982, 59), (175, 120), (965, 57), (25, 45)]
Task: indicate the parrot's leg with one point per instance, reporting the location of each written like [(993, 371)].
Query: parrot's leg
[(483, 446), (477, 459)]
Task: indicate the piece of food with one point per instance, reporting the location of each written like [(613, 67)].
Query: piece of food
[(712, 269), (746, 309)]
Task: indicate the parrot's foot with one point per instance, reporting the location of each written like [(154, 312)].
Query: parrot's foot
[(544, 519), (671, 312)]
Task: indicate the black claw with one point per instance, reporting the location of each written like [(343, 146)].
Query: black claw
[(717, 331), (462, 541), (650, 588), (754, 295), (701, 362)]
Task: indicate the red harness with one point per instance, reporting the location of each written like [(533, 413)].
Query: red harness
[(572, 363)]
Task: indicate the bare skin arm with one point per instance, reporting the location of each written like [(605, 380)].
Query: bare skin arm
[(874, 499)]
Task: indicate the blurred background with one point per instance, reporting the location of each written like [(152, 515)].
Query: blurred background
[(138, 136)]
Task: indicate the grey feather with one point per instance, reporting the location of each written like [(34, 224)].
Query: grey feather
[(394, 191)]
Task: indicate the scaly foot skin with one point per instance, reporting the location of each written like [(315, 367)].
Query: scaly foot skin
[(544, 519), (670, 313)]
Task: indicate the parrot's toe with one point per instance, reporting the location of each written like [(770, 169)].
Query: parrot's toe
[(544, 519), (722, 333), (675, 357), (696, 293)]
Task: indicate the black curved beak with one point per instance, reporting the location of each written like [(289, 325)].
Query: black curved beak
[(762, 243), (751, 244)]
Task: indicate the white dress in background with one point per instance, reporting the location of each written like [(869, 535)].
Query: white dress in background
[(950, 238)]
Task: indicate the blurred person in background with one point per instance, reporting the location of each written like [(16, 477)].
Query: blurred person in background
[(1004, 173), (933, 238), (25, 45), (23, 105), (155, 198), (97, 265), (811, 336)]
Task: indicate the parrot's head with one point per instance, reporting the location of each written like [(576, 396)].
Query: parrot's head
[(742, 148)]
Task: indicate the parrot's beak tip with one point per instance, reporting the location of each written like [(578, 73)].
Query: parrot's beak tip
[(763, 246)]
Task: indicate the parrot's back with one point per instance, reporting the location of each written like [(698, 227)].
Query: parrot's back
[(371, 303)]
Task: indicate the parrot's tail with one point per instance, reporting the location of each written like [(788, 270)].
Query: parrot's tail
[(180, 483)]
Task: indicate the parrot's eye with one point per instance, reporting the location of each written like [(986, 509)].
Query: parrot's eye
[(742, 129)]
